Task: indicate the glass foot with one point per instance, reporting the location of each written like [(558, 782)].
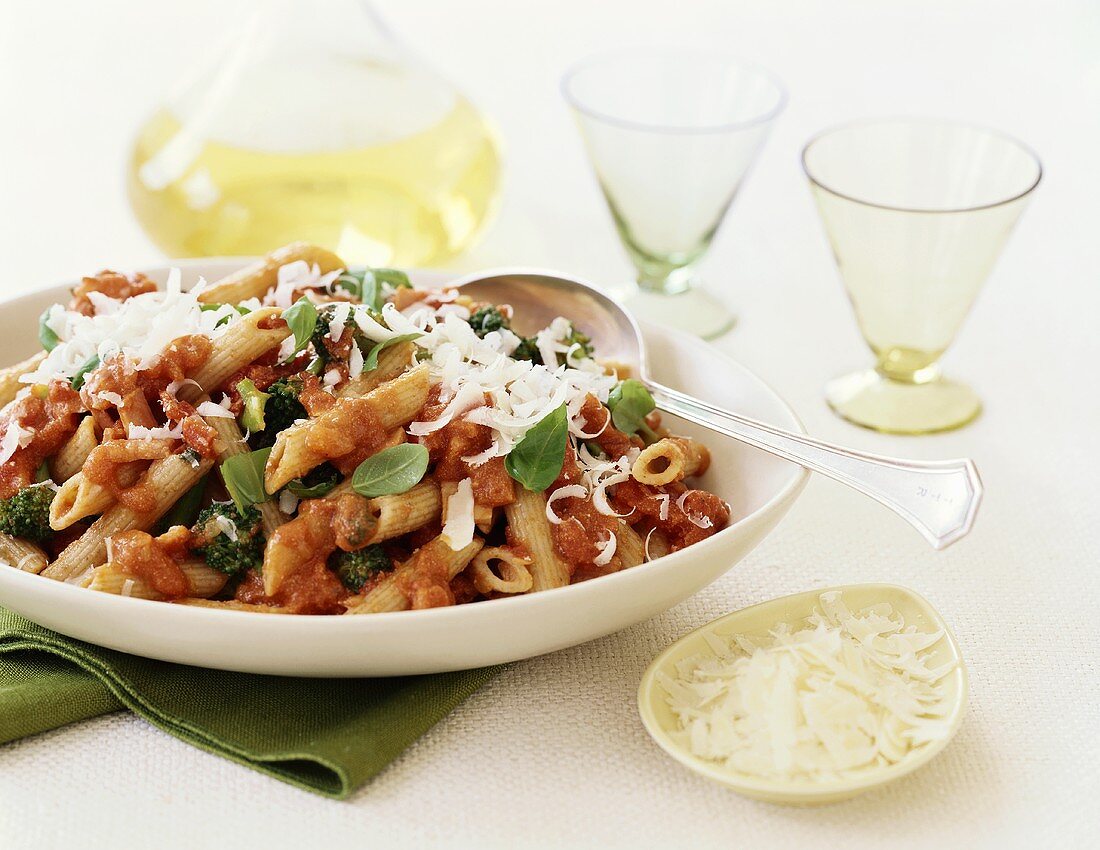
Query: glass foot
[(874, 401), (695, 311)]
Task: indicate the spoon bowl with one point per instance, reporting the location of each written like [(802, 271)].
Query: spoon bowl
[(938, 498)]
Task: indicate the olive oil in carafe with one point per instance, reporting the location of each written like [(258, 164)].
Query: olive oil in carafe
[(413, 199)]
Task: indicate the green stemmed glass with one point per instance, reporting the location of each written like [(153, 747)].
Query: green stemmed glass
[(671, 135), (917, 212)]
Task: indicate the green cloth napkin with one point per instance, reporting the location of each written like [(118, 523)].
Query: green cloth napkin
[(329, 736)]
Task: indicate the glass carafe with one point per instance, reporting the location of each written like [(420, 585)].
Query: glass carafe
[(316, 125)]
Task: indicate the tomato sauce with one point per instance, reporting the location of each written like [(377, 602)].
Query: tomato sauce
[(111, 284), (427, 584), (492, 485), (348, 433), (648, 503), (154, 560), (308, 540), (118, 375), (53, 419)]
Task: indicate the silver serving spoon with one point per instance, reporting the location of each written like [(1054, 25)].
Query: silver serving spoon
[(938, 498)]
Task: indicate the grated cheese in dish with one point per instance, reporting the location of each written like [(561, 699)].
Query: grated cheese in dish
[(140, 327), (846, 693)]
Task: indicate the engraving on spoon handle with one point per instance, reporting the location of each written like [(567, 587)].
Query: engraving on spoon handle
[(938, 498)]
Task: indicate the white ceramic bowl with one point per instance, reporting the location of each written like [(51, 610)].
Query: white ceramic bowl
[(759, 488)]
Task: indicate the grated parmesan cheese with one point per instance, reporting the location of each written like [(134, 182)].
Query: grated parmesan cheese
[(607, 550), (844, 694), (15, 437), (161, 432), (226, 526), (469, 368), (140, 328), (458, 530)]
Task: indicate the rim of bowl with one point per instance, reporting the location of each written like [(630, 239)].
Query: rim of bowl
[(902, 119), (786, 494), (672, 129), (803, 791)]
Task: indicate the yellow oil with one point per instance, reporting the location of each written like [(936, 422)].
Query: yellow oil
[(415, 200)]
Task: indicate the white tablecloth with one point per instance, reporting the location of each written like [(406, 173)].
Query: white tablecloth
[(552, 753)]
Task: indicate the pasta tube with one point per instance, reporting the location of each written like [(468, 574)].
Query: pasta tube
[(670, 459), (255, 280), (432, 560), (528, 526), (22, 554), (203, 581), (297, 450), (169, 478), (70, 458)]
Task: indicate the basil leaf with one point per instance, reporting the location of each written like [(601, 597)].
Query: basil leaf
[(630, 403), (371, 362), (394, 278), (301, 316), (392, 470), (243, 475), (537, 459), (82, 372), (46, 336), (367, 284), (351, 280)]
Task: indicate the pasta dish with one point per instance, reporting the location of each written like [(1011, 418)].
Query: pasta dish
[(301, 437)]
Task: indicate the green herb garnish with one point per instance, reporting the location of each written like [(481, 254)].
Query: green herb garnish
[(538, 458), (392, 470), (243, 475)]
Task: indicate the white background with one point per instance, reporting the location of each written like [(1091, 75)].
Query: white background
[(552, 753)]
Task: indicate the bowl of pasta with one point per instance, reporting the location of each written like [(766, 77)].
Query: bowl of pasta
[(289, 466)]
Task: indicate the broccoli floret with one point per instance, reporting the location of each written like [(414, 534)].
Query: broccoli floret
[(317, 482), (576, 337), (319, 338), (488, 319), (281, 410), (221, 552), (356, 568), (27, 513), (527, 350)]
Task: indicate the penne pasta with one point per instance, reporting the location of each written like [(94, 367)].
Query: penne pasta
[(301, 447), (391, 363), (79, 497), (670, 459), (231, 443), (528, 526), (399, 514), (243, 342), (417, 577), (69, 460), (109, 578), (168, 478), (631, 546), (255, 280), (22, 554), (497, 569), (10, 385)]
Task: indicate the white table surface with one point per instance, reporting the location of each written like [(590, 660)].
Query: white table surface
[(552, 753)]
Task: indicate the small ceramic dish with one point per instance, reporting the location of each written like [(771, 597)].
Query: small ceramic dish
[(758, 620)]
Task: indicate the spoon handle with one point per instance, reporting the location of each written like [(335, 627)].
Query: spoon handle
[(938, 498)]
